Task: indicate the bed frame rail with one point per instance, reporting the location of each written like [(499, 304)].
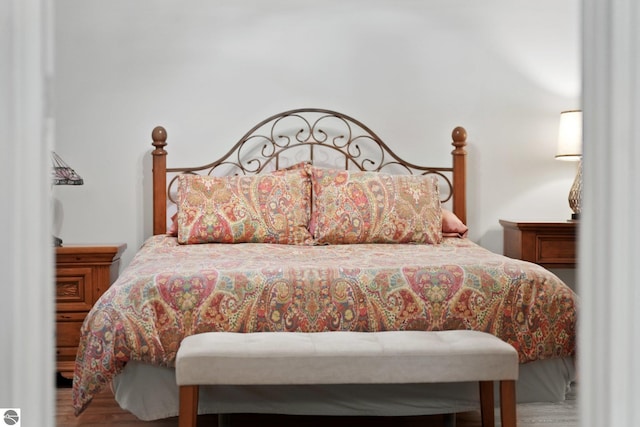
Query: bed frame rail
[(324, 138)]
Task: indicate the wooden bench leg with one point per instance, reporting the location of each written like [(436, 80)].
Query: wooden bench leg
[(508, 403), (188, 413), (486, 404)]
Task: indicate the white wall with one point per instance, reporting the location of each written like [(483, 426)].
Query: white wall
[(411, 70)]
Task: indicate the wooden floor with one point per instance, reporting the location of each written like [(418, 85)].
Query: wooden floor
[(104, 411)]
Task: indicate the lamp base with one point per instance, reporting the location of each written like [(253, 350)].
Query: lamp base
[(575, 194)]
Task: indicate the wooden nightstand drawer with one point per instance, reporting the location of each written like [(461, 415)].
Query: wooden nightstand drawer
[(68, 328), (67, 354), (550, 244), (83, 273), (556, 249), (73, 289)]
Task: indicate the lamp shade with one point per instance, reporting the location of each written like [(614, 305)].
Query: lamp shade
[(570, 136)]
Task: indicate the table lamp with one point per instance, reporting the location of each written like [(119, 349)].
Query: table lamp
[(63, 174), (570, 149)]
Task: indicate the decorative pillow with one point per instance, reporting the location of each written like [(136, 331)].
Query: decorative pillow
[(270, 208), (173, 228), (373, 207), (304, 165), (452, 226)]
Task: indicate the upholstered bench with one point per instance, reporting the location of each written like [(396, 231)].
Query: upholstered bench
[(226, 358)]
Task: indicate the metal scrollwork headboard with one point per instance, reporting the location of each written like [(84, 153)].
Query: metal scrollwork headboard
[(323, 137)]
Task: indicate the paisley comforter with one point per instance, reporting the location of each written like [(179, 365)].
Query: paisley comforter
[(170, 291)]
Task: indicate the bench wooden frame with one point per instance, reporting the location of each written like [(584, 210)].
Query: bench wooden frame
[(337, 358)]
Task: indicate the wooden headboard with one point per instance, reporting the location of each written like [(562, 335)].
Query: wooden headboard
[(322, 137)]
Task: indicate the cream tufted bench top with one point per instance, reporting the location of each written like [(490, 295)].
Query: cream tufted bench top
[(227, 358)]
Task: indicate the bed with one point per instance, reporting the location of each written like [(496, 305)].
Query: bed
[(309, 223)]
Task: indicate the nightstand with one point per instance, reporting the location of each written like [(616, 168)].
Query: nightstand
[(550, 244), (83, 273)]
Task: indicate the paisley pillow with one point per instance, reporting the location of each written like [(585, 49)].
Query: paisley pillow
[(452, 226), (373, 207), (270, 208), (172, 230)]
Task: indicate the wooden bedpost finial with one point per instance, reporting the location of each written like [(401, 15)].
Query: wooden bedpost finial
[(159, 136), (459, 136)]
